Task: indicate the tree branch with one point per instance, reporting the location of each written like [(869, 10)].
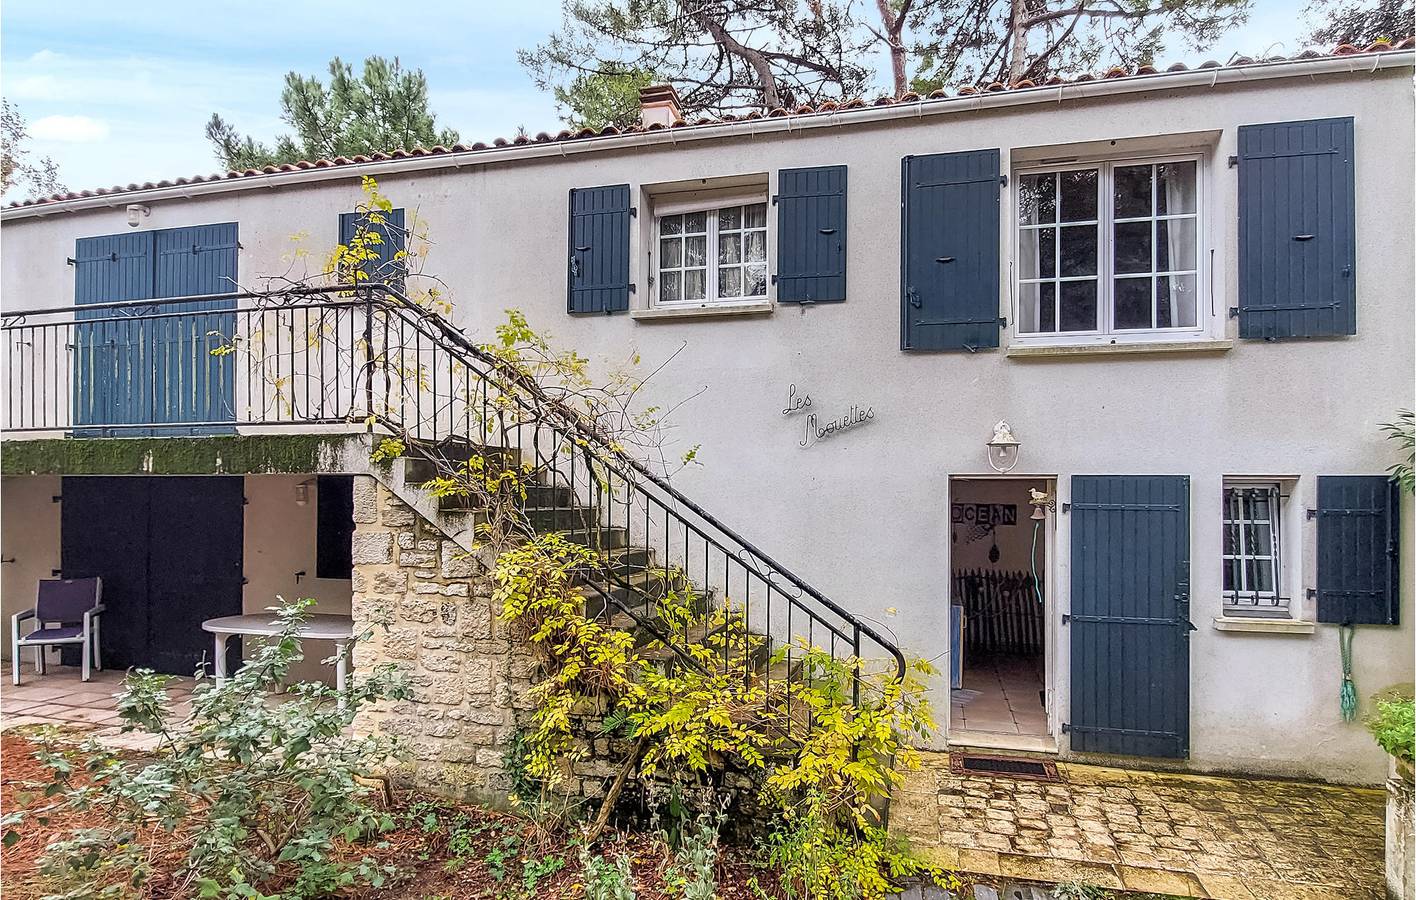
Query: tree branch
[(1090, 12)]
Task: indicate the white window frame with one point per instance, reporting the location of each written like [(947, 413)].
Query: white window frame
[(710, 204), (1278, 603), (1207, 319)]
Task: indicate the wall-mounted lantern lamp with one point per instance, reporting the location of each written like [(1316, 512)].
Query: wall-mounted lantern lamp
[(136, 213), (302, 492), (1003, 448)]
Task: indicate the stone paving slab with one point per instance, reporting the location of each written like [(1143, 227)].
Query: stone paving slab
[(1165, 833)]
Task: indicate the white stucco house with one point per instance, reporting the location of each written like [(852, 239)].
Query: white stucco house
[(1188, 294)]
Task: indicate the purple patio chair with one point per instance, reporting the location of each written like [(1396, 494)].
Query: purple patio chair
[(66, 611)]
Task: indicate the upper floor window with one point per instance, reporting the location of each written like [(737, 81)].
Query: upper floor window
[(713, 255), (1109, 248)]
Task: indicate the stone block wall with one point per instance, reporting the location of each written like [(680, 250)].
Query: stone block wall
[(428, 607), (429, 610)]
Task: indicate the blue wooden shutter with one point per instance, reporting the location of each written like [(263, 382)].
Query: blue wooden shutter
[(1359, 568), (811, 235), (389, 267), (109, 269), (1130, 615), (598, 277), (189, 383), (1297, 230), (949, 265)]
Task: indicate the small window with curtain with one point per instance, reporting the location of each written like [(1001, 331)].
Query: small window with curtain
[(1254, 582), (1109, 249), (713, 255)]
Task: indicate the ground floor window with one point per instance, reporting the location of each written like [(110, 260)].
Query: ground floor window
[(1252, 559)]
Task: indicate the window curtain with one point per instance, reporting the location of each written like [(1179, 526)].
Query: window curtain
[(1180, 195)]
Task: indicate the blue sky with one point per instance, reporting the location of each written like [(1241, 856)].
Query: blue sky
[(120, 92)]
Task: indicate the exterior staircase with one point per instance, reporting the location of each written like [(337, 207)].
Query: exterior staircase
[(625, 586)]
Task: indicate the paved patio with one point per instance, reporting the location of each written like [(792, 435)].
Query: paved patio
[(62, 698), (1185, 835)]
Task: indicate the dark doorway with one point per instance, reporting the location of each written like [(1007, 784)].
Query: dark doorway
[(169, 551)]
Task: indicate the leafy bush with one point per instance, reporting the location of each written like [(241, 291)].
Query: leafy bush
[(1080, 890), (694, 871), (1402, 432), (261, 792), (817, 858), (605, 880), (1394, 726), (828, 744)]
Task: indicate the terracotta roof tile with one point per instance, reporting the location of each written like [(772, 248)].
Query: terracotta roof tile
[(825, 107)]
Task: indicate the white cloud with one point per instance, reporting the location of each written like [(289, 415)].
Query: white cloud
[(69, 129)]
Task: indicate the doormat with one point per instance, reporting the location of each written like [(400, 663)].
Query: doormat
[(1007, 766)]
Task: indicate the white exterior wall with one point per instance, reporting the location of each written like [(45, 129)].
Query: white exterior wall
[(29, 544), (864, 516), (279, 541)]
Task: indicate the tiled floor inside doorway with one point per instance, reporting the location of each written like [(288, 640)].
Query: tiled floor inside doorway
[(1002, 695)]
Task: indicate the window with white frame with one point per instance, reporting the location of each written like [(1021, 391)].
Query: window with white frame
[(714, 255), (1253, 550), (1109, 248)]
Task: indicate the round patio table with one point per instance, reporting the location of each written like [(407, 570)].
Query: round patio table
[(317, 627)]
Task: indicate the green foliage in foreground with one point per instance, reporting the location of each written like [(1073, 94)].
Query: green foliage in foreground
[(254, 787), (1402, 432), (822, 771), (1394, 726)]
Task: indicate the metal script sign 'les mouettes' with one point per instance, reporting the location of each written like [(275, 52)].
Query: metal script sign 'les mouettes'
[(815, 429), (795, 402)]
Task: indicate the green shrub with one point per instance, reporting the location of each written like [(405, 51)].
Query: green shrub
[(605, 880), (260, 792), (1394, 726)]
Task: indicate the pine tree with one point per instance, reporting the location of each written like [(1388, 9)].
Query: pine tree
[(383, 108)]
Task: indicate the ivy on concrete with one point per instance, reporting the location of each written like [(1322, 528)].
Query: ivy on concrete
[(235, 454)]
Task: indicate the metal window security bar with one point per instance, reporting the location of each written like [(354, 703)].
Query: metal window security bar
[(368, 357), (1252, 554)]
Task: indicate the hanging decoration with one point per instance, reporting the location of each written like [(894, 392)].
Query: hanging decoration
[(1349, 690)]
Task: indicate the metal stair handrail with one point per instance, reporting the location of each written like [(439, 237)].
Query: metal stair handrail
[(388, 297)]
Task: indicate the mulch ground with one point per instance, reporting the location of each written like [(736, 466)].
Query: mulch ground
[(440, 849)]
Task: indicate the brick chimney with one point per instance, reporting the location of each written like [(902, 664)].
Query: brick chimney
[(659, 105)]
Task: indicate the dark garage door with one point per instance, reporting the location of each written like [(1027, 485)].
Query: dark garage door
[(169, 551)]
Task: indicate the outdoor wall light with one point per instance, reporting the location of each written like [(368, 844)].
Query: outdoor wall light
[(136, 213), (1003, 448), (302, 493)]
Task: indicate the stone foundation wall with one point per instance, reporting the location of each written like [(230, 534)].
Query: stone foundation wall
[(428, 606)]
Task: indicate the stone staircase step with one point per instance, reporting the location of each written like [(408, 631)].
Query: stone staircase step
[(627, 559), (598, 538), (419, 470), (549, 495), (641, 587)]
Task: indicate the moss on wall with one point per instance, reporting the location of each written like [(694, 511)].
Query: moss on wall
[(253, 454)]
